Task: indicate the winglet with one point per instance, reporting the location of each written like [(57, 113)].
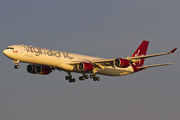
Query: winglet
[(172, 51)]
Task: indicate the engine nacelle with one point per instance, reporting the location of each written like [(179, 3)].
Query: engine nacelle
[(85, 66), (31, 69), (43, 70), (120, 62)]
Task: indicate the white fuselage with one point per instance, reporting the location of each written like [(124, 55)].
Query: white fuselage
[(59, 59)]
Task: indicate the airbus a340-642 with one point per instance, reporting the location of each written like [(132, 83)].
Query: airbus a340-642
[(44, 61)]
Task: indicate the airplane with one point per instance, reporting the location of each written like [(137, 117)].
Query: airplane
[(44, 61)]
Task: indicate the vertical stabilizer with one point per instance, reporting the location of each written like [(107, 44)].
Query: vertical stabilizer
[(142, 49)]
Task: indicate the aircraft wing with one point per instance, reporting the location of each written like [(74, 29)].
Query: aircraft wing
[(131, 59), (102, 63)]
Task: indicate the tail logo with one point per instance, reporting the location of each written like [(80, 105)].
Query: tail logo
[(140, 51), (137, 54), (138, 61)]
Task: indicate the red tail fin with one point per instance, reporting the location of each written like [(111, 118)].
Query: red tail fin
[(142, 49)]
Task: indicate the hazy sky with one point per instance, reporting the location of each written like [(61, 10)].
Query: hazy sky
[(104, 28)]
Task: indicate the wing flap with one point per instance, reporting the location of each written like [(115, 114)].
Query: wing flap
[(102, 60)]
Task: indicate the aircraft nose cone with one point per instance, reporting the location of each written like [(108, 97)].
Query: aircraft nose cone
[(5, 52)]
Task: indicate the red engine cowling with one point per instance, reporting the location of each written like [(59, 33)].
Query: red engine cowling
[(31, 69), (43, 70), (85, 66), (119, 62)]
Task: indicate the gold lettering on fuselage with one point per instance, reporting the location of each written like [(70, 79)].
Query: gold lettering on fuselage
[(42, 51)]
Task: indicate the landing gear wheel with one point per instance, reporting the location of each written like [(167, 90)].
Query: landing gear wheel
[(83, 78), (80, 78), (67, 77), (94, 78), (70, 80), (91, 76), (98, 78), (94, 75), (70, 77), (73, 80), (86, 76), (16, 66)]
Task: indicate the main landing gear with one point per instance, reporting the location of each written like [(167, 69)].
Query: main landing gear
[(95, 78), (16, 62), (81, 78), (71, 80), (92, 76)]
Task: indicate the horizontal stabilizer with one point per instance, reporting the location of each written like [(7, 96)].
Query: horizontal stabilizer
[(153, 55), (155, 65)]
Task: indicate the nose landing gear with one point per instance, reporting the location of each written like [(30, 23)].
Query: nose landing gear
[(16, 67), (16, 62)]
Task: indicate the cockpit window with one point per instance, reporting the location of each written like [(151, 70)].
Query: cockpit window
[(10, 48)]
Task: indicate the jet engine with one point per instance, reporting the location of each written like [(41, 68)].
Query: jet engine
[(85, 66), (120, 62), (38, 69), (43, 70), (31, 69)]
